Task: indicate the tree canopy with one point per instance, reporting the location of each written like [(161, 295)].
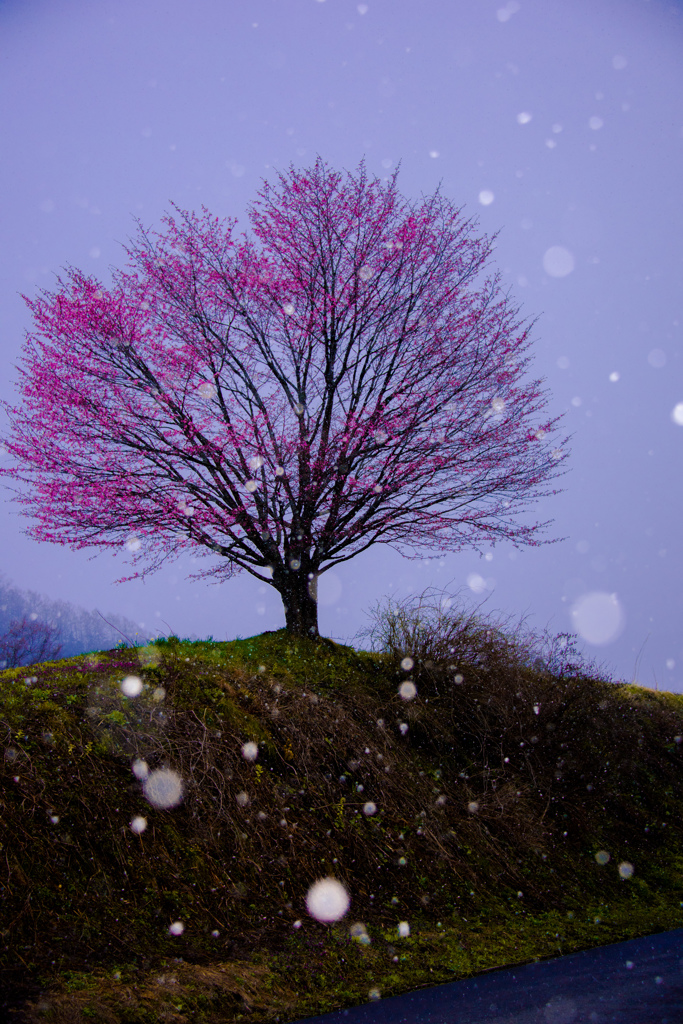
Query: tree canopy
[(349, 372)]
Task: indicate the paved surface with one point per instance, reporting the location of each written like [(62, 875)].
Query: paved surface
[(635, 982)]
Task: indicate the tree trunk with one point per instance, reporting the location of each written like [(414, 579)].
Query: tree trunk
[(300, 600)]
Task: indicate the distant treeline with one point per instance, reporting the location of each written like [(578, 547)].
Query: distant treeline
[(76, 629)]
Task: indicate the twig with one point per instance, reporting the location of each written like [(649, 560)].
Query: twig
[(114, 627), (639, 656)]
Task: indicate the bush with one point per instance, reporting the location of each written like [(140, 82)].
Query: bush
[(432, 629)]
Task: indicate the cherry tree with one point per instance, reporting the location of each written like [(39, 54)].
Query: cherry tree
[(348, 373)]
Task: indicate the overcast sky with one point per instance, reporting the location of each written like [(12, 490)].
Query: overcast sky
[(560, 125)]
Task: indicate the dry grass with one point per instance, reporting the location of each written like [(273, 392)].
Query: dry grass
[(223, 991)]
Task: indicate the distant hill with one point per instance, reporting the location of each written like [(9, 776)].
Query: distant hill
[(80, 630)]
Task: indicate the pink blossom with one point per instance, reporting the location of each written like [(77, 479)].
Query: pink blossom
[(390, 404)]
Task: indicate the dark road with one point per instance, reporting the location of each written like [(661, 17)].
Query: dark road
[(635, 982)]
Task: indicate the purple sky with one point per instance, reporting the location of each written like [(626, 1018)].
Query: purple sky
[(561, 124)]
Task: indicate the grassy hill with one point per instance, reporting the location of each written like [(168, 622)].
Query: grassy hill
[(521, 809)]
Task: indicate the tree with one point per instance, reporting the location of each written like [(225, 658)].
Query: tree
[(27, 642), (79, 630), (344, 375)]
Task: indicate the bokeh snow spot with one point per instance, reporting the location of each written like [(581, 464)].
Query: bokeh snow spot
[(560, 1010), (407, 690), (359, 932), (677, 414), (163, 788), (558, 261), (598, 617), (407, 663), (486, 197), (602, 857), (138, 824), (403, 929), (140, 769), (250, 751), (177, 928), (327, 900), (657, 358), (505, 13), (131, 686), (625, 869), (369, 809), (476, 583)]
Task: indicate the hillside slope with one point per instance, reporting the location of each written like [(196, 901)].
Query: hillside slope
[(504, 813)]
